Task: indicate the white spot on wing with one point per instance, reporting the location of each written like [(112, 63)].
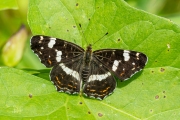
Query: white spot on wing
[(99, 77), (115, 65), (51, 42), (40, 52), (42, 47), (41, 37), (137, 55), (133, 69), (58, 56), (126, 55), (70, 71)]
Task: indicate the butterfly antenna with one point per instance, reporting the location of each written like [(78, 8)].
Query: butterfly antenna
[(83, 33), (99, 38)]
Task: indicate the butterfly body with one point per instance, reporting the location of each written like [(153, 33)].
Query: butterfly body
[(86, 64), (92, 72)]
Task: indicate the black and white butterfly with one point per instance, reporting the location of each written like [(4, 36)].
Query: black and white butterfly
[(75, 69)]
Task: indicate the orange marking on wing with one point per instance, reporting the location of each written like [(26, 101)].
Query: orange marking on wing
[(106, 89), (122, 74), (49, 61), (58, 80), (92, 90), (70, 86)]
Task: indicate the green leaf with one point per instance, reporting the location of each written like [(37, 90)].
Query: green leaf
[(24, 95), (150, 94), (8, 4)]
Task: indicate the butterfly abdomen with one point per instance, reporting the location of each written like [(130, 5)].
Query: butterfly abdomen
[(85, 74)]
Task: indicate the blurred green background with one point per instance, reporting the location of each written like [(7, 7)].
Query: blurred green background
[(15, 33)]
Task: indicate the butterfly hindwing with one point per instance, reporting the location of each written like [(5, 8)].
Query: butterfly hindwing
[(100, 83), (66, 77), (53, 50), (122, 63)]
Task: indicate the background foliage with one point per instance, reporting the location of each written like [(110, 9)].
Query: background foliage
[(150, 94)]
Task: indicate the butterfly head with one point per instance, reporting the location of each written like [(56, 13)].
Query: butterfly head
[(89, 47)]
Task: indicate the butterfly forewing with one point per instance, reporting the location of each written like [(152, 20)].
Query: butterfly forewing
[(53, 50), (122, 63)]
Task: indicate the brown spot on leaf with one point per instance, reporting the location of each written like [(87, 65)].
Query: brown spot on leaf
[(152, 71), (74, 26), (80, 102), (164, 91), (118, 39), (30, 95), (164, 96), (162, 69), (157, 97), (77, 4), (89, 112), (100, 114), (67, 30)]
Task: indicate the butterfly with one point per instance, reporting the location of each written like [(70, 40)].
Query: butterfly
[(92, 72)]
